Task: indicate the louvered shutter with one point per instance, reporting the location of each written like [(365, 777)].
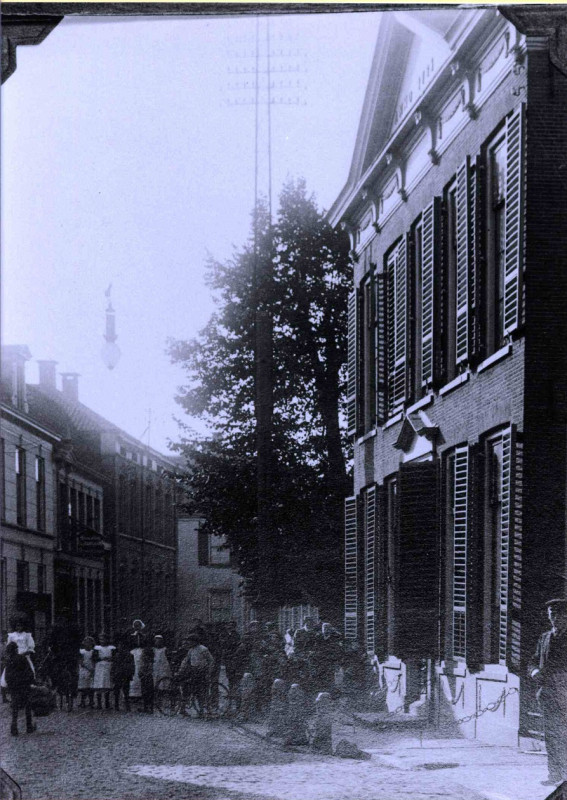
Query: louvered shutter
[(514, 220), (397, 327), (370, 569), (478, 259), (460, 543), (475, 559), (430, 269), (352, 364), (380, 632), (351, 569), (516, 558), (417, 586), (463, 261), (507, 512), (381, 360)]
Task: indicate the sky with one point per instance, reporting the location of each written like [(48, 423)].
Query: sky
[(128, 157)]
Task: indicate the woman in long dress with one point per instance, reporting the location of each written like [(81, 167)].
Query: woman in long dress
[(162, 668), (86, 671), (137, 641), (102, 680)]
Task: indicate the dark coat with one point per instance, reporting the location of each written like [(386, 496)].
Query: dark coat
[(550, 658), (19, 675)]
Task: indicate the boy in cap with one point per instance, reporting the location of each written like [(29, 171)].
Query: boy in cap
[(549, 669)]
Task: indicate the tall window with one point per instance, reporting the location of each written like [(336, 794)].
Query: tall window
[(397, 328), (450, 258), (368, 387), (391, 557), (96, 514), (496, 241), (82, 508), (41, 578), (499, 569), (456, 526), (20, 486), (22, 576), (417, 308), (90, 512), (493, 528), (219, 552)]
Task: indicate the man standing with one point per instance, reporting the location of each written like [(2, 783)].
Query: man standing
[(549, 669)]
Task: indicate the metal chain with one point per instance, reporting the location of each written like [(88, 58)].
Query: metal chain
[(490, 707)]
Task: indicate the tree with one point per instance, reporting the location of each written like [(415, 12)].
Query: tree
[(300, 274)]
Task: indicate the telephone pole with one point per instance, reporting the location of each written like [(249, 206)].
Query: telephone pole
[(274, 78)]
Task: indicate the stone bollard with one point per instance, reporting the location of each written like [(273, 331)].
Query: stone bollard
[(278, 709), (246, 691), (323, 727), (297, 716)]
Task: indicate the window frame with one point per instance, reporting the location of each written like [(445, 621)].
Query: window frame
[(21, 493)]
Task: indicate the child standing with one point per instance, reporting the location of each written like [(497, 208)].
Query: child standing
[(22, 638), (19, 678), (86, 672), (123, 669), (102, 679)]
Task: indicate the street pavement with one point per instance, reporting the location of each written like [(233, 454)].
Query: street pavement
[(99, 755)]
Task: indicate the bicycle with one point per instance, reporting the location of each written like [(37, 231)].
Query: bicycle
[(178, 695)]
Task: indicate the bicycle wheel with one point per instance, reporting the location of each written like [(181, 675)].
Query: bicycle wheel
[(167, 697)]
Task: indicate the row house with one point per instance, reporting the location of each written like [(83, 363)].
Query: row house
[(28, 525), (140, 497), (455, 534)]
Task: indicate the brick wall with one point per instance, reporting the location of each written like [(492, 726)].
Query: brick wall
[(544, 548)]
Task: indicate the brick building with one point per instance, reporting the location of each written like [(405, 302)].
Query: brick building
[(139, 552), (28, 525), (455, 205)]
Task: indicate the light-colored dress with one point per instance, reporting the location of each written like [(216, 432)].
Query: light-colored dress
[(135, 683), (162, 668), (102, 678), (86, 669)]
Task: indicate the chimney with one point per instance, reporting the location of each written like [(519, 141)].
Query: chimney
[(47, 375), (70, 386)]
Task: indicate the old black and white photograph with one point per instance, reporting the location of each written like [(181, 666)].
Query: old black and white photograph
[(283, 440)]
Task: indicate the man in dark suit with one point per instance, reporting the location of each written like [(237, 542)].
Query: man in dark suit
[(549, 669)]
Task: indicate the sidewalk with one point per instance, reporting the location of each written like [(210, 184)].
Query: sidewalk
[(493, 772)]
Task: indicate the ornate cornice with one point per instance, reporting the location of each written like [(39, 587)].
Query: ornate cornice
[(549, 21)]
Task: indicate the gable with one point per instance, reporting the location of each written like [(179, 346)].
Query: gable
[(412, 47)]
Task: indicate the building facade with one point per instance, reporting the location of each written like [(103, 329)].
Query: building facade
[(102, 470), (27, 485), (208, 587), (455, 534)]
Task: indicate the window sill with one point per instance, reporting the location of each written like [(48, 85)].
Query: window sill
[(366, 436), (392, 421), (423, 403), (494, 358), (458, 381)]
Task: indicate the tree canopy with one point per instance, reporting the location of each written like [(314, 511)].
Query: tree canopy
[(297, 272)]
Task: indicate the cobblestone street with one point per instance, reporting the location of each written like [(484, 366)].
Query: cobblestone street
[(96, 755)]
